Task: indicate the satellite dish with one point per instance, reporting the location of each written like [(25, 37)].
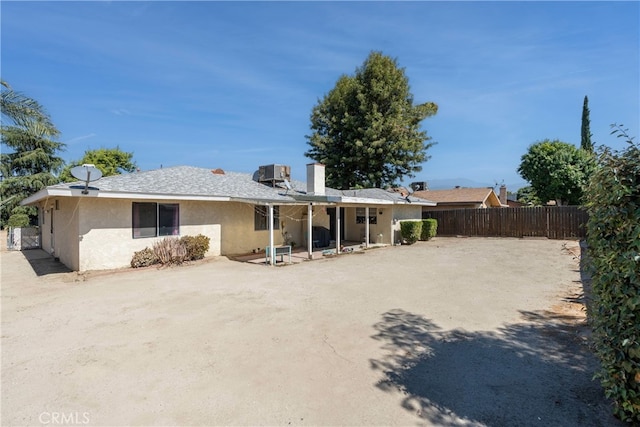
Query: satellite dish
[(409, 193), (86, 173)]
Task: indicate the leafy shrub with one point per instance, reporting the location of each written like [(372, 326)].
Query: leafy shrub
[(613, 238), (144, 258), (196, 246), (429, 228), (410, 231), (170, 251), (18, 220)]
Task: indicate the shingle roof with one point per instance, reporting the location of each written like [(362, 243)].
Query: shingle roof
[(456, 195), (194, 181), (184, 181)]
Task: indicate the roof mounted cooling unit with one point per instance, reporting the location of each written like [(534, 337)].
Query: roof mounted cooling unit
[(419, 186), (274, 173)]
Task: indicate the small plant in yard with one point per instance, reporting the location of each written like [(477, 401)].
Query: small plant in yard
[(196, 246), (170, 251), (429, 229), (144, 258), (410, 231)]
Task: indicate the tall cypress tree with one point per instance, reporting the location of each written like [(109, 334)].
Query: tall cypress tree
[(585, 140)]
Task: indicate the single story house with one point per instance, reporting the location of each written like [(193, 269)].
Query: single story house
[(463, 198), (99, 225)]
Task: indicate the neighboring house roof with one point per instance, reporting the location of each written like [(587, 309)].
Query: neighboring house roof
[(461, 196), (193, 183)]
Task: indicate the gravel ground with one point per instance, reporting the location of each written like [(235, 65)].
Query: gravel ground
[(455, 331)]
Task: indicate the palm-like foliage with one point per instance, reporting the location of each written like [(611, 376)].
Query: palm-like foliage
[(31, 161), (24, 111)]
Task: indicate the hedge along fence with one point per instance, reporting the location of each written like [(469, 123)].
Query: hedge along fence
[(411, 231), (414, 230), (429, 229), (613, 238)]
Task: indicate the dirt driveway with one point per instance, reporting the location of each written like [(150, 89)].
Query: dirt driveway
[(465, 332)]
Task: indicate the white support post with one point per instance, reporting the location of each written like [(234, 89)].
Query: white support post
[(366, 227), (337, 229), (310, 230), (272, 253)]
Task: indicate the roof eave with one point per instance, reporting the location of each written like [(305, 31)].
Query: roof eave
[(96, 193)]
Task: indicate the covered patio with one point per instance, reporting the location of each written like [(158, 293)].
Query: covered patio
[(301, 254)]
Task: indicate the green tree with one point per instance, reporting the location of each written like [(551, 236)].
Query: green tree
[(585, 140), (613, 239), (528, 196), (110, 161), (31, 161), (366, 130), (557, 171)]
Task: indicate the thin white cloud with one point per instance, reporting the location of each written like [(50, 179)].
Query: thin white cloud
[(80, 138), (121, 112)]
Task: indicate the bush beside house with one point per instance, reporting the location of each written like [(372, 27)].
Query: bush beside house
[(410, 231), (172, 250), (196, 246), (144, 258), (429, 228)]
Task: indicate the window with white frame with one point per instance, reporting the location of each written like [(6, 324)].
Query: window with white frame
[(361, 215), (261, 217), (155, 219)]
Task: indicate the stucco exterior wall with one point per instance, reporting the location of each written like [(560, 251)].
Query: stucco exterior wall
[(404, 212), (378, 233), (239, 235), (105, 236), (92, 233), (45, 231), (59, 229), (106, 239), (320, 218)]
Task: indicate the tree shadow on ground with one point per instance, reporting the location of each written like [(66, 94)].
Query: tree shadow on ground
[(538, 372)]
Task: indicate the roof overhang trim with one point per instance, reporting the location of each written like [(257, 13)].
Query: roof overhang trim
[(94, 193)]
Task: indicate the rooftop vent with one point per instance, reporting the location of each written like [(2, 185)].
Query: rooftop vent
[(274, 173)]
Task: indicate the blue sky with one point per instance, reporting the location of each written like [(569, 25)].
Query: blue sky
[(232, 84)]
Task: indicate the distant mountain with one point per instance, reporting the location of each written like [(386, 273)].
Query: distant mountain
[(447, 184)]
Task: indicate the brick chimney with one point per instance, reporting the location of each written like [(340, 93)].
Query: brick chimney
[(315, 179), (503, 194)]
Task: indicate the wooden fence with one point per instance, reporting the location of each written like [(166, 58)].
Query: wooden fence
[(555, 222)]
